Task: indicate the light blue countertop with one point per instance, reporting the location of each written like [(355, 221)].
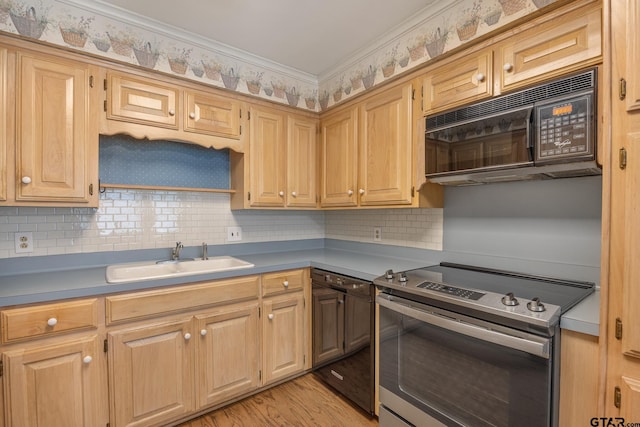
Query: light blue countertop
[(85, 275)]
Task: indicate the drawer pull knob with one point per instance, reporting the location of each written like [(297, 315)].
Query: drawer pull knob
[(192, 115), (203, 332), (507, 67), (52, 321), (281, 193), (172, 112), (270, 316), (294, 194), (361, 191), (480, 77), (285, 283), (350, 193), (87, 359), (26, 180), (187, 336)]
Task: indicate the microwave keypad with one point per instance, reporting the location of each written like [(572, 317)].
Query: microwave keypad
[(563, 129)]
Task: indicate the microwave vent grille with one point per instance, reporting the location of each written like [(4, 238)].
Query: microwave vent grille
[(564, 86)]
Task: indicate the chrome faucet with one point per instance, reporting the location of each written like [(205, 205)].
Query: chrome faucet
[(175, 252), (204, 251)]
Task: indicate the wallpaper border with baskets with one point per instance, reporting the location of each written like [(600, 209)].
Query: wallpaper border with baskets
[(88, 29)]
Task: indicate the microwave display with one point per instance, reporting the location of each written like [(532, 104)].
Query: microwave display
[(564, 128)]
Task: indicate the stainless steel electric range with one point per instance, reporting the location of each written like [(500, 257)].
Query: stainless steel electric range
[(468, 346)]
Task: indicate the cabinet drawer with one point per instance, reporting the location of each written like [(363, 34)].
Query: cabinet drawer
[(48, 319), (283, 281), (141, 305)]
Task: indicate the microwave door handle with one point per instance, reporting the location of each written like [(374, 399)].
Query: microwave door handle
[(530, 135), (535, 348)]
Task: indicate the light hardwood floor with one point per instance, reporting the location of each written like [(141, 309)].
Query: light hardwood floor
[(302, 402)]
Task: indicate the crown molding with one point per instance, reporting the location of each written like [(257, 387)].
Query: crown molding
[(135, 20)]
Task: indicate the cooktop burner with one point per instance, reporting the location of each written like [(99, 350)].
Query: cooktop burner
[(533, 300)]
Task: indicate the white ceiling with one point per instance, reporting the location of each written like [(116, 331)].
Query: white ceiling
[(309, 35)]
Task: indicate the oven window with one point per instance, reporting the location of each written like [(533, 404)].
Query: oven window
[(490, 142), (459, 379)]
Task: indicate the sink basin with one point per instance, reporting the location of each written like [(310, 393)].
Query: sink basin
[(147, 270)]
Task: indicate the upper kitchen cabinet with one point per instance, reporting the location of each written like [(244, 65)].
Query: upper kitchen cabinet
[(339, 158), (279, 168), (370, 153), (4, 112), (468, 79), (56, 135), (565, 40), (163, 109)]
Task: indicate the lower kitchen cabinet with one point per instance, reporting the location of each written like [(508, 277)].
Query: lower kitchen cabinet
[(151, 373), (283, 332), (228, 353), (57, 385)]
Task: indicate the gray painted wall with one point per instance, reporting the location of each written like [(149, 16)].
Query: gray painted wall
[(555, 223)]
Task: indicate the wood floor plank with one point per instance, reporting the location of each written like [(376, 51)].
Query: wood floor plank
[(303, 402)]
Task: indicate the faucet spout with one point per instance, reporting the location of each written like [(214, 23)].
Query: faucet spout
[(175, 252), (204, 251)]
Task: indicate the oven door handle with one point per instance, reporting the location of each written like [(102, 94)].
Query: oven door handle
[(534, 345)]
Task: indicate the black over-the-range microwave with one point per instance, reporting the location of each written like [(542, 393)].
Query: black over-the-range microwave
[(546, 131)]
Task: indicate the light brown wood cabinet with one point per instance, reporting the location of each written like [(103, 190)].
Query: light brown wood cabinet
[(47, 105), (4, 118), (367, 152), (144, 107), (560, 43), (279, 169), (621, 202), (57, 385), (151, 373)]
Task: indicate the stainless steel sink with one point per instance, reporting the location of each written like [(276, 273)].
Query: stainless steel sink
[(147, 270)]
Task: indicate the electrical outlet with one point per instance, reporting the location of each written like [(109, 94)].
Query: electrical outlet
[(377, 234), (24, 242), (234, 234)]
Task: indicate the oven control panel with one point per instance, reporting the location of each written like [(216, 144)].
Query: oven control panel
[(451, 290)]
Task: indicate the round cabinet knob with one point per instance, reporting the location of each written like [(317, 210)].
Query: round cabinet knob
[(87, 359), (480, 77), (294, 194), (172, 112), (507, 67), (281, 194), (270, 316), (26, 180), (52, 322), (192, 115), (285, 283), (350, 192), (361, 191), (187, 336), (203, 332)]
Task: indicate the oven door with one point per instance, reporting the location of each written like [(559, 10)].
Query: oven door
[(441, 368)]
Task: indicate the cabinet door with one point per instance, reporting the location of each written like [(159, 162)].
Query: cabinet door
[(283, 337), (210, 114), (459, 82), (386, 162), (140, 100), (55, 386), (301, 162), (339, 151), (4, 112), (55, 137), (228, 353), (151, 373), (328, 324), (568, 42), (267, 157)]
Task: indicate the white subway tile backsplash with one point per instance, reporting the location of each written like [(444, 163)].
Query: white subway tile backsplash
[(136, 219)]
